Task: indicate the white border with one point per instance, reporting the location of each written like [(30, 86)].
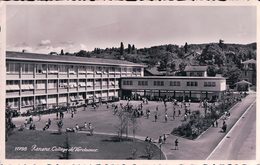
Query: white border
[(142, 3)]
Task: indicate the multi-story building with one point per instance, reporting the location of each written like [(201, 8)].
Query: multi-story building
[(47, 80)]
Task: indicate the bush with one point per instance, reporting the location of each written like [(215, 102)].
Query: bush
[(198, 123)]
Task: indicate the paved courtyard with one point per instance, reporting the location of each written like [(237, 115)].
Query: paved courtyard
[(104, 120)]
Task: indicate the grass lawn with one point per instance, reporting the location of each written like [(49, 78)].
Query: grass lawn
[(102, 146)]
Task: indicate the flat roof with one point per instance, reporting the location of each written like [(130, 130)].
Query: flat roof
[(195, 68), (66, 59), (175, 77)]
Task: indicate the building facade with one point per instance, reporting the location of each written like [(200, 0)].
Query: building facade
[(177, 87), (47, 80)]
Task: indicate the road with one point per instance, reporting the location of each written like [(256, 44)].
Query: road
[(240, 142)]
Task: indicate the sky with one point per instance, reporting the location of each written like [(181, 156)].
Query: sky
[(42, 29)]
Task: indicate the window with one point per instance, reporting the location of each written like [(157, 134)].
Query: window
[(41, 68), (128, 82), (105, 70), (52, 99), (129, 70), (52, 84), (27, 68), (175, 83), (124, 70), (27, 85), (209, 84), (99, 70), (142, 83), (40, 100), (63, 84), (12, 67), (117, 70), (73, 84), (27, 101), (52, 69), (63, 69), (90, 69), (82, 83), (158, 83), (90, 83), (40, 84), (192, 83), (82, 69), (112, 70), (12, 85), (13, 102), (72, 69)]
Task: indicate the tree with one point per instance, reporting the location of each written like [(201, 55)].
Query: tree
[(186, 47), (123, 122), (212, 54), (82, 53), (9, 126), (221, 44), (129, 49), (182, 66), (180, 53), (211, 71), (61, 52), (121, 49), (233, 74), (133, 47)]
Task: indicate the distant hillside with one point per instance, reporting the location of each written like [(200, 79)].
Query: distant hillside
[(222, 58)]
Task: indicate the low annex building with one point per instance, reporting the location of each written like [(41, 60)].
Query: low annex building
[(195, 86)]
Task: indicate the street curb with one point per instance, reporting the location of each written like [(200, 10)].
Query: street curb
[(230, 130)]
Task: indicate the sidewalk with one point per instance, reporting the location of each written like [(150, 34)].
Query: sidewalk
[(200, 148)]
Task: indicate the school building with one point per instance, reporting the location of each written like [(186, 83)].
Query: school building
[(175, 87), (49, 80), (34, 80)]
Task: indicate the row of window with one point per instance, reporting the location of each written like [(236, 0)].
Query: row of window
[(29, 101), (142, 83), (175, 83), (72, 69), (158, 83), (127, 82), (52, 84), (172, 83), (209, 84), (192, 83)]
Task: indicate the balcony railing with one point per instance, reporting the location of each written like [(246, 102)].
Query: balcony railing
[(52, 91), (12, 94), (27, 92), (40, 91), (12, 76)]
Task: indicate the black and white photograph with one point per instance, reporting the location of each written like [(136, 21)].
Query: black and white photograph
[(130, 82)]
